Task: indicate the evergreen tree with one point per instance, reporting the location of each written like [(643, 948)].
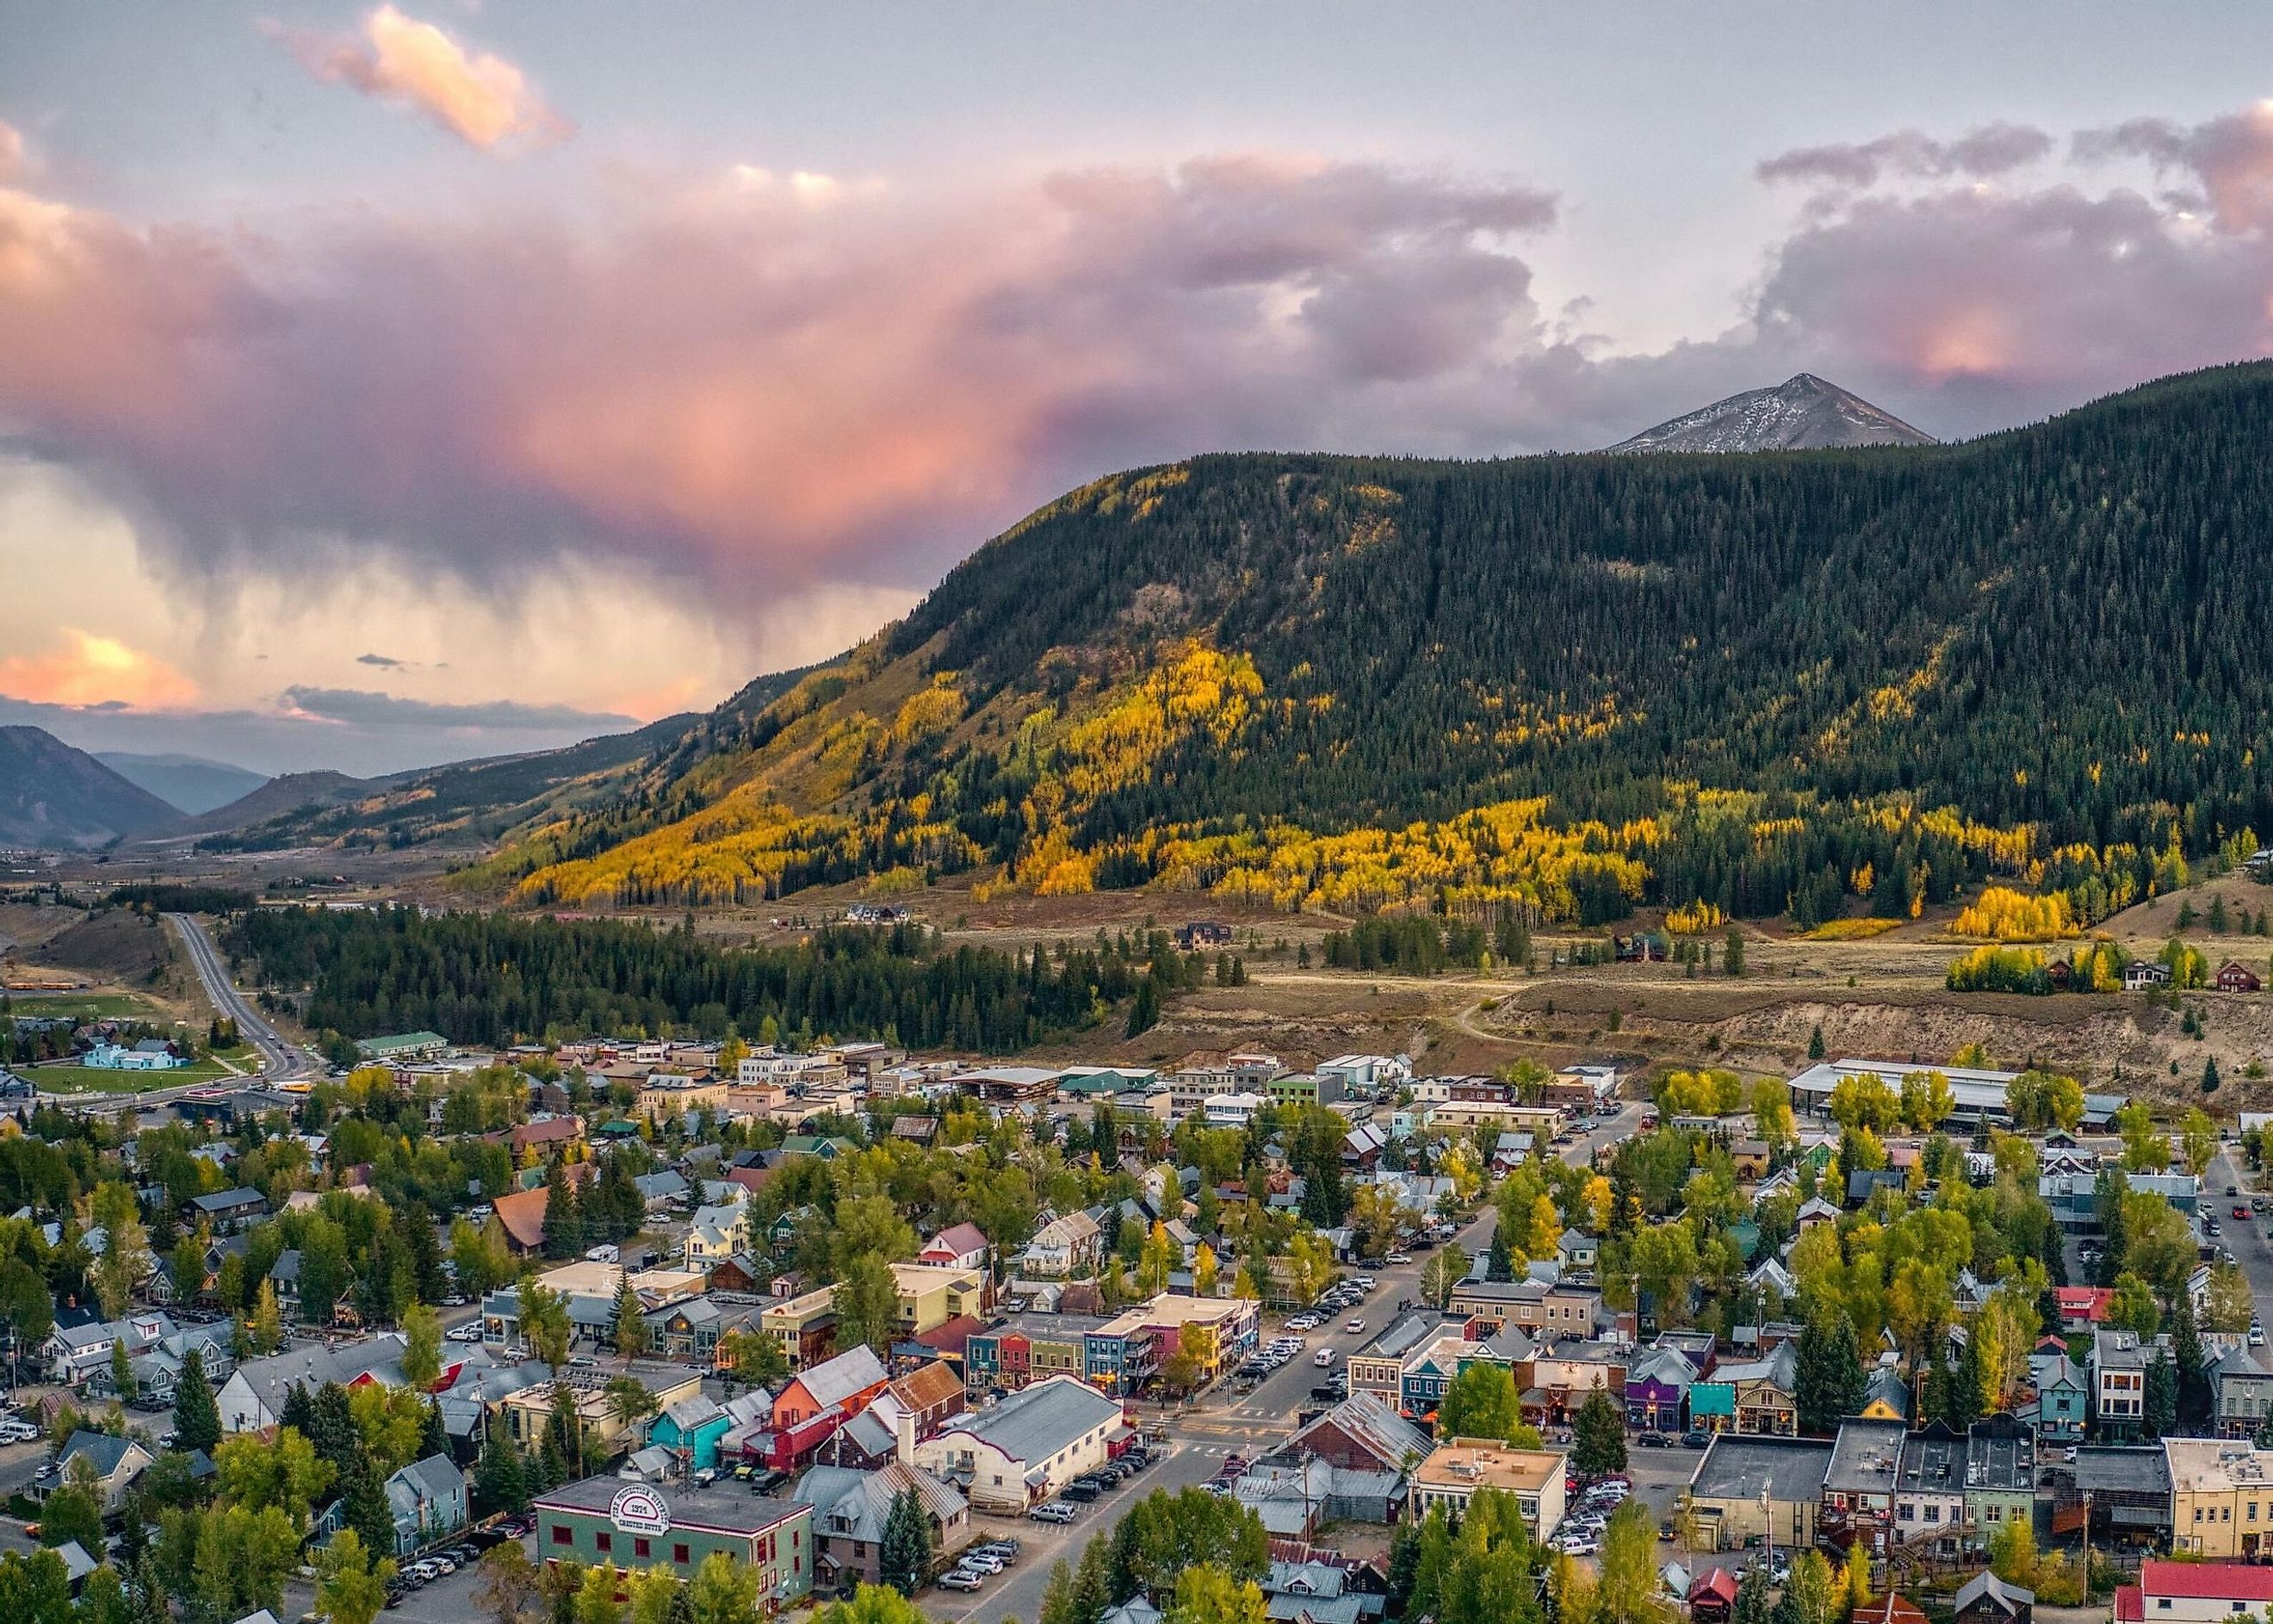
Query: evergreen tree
[(434, 1439), (1751, 1597), (904, 1558), (365, 1509), (631, 1323), (1830, 1378), (1144, 1011), (564, 1227), (1599, 1438), (197, 1416), (500, 1483), (2194, 1400), (2162, 1408), (1498, 1265), (1815, 1042), (334, 1432)]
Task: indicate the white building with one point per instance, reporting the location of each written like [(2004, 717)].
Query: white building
[(1025, 1450)]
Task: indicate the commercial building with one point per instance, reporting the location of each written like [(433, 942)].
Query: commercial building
[(1026, 1349), (2221, 1497), (1125, 1352), (1749, 1488), (1454, 1471), (1979, 1092), (1027, 1448), (642, 1525)]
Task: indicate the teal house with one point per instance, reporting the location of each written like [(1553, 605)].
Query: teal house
[(695, 1424)]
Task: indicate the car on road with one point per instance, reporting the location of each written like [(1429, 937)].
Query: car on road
[(1398, 1258), (1653, 1440), (2257, 1336), (955, 1579), (1354, 1325), (1323, 1358), (2233, 1190), (2240, 1211), (1695, 1439)]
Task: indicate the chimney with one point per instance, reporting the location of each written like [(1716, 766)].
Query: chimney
[(903, 1430)]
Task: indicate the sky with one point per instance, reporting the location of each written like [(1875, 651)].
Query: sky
[(383, 386)]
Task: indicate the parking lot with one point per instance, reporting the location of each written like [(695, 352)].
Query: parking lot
[(451, 1598)]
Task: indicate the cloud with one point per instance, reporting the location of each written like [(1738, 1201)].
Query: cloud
[(90, 671), (12, 162), (2228, 158), (377, 659), (741, 401), (1993, 149), (364, 709), (482, 99)]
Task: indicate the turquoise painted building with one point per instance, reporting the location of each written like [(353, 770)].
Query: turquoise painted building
[(1712, 1406), (694, 1424)]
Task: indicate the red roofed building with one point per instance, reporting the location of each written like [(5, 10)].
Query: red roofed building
[(2194, 1592), (962, 1245), (1712, 1597), (2083, 1307)]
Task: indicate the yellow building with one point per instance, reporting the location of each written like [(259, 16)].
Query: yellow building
[(805, 1326), (931, 1295), (672, 1094), (2221, 1497)]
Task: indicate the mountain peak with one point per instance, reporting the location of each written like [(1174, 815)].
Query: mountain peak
[(1804, 413)]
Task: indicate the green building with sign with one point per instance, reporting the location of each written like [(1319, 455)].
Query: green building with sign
[(646, 1525)]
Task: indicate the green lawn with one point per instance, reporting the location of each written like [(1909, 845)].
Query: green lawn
[(89, 1006), (89, 1079)]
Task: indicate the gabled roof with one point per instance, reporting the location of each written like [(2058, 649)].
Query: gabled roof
[(1037, 1422), (851, 1504), (1369, 1421), (957, 1241), (99, 1450), (928, 1385), (834, 1380), (523, 1216)]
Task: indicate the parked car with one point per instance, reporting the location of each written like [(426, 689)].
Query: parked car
[(1695, 1439), (955, 1579), (973, 1561), (1398, 1258), (1653, 1440), (1082, 1493), (1053, 1511)]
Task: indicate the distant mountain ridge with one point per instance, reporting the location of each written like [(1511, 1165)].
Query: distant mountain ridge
[(54, 797), (190, 784), (1804, 413), (1576, 682)]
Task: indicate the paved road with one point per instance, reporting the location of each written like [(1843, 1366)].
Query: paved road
[(2244, 1237), (280, 1060)]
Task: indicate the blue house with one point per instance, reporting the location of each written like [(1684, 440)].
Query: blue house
[(695, 1424), (2063, 1397)]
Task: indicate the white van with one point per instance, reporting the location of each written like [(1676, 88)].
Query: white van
[(1323, 1358)]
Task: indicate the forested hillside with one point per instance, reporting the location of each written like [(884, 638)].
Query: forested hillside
[(1763, 682)]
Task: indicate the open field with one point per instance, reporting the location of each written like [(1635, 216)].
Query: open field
[(90, 1005), (89, 1079)]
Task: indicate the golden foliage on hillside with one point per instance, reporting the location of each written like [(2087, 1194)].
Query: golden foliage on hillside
[(2003, 914), (1501, 852)]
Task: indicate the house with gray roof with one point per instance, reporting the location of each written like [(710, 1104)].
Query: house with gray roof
[(851, 1508), (1026, 1448), (117, 1464), (428, 1498)]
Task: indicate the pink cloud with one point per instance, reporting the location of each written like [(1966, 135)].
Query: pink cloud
[(2229, 158), (482, 99), (724, 385), (92, 670)]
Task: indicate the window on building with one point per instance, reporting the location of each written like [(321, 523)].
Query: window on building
[(679, 1556), (640, 1547), (604, 1540), (561, 1536)]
